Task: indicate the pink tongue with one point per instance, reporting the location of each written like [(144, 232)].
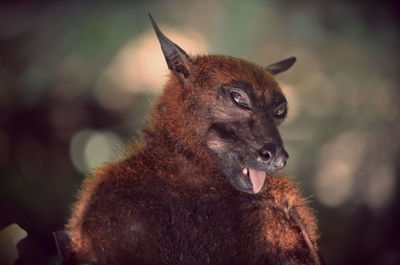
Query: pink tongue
[(257, 178)]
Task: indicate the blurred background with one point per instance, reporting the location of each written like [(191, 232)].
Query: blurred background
[(77, 79)]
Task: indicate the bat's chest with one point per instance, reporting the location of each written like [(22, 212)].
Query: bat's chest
[(207, 232)]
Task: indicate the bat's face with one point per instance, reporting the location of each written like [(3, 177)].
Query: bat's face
[(234, 105), (243, 134)]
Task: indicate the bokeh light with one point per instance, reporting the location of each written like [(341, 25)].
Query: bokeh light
[(337, 165), (9, 238), (89, 149), (381, 184)]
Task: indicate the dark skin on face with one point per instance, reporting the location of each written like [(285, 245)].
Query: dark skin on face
[(246, 141)]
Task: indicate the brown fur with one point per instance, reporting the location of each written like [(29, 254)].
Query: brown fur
[(168, 202)]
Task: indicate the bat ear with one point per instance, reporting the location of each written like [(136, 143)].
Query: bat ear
[(281, 66), (178, 60)]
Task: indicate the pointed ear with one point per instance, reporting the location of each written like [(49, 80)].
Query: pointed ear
[(281, 66), (177, 59)]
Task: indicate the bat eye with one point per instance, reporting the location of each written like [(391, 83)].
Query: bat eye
[(240, 99), (281, 111)]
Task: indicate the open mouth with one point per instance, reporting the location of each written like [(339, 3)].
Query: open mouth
[(257, 178)]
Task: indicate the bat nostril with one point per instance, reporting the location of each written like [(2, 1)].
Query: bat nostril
[(267, 152), (266, 155)]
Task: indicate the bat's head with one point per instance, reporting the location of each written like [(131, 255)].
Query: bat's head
[(229, 107)]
